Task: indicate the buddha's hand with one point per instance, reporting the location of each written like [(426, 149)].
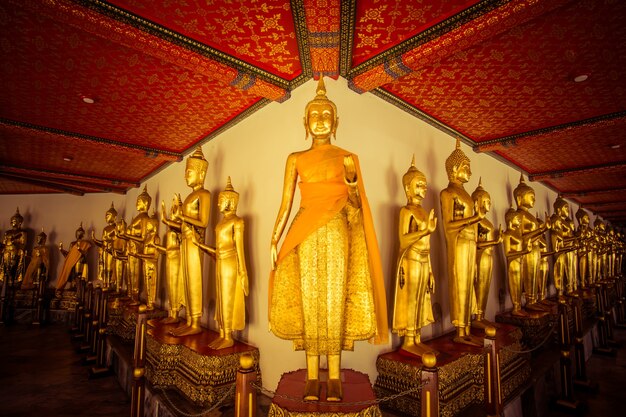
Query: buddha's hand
[(432, 221), (93, 234), (350, 170), (431, 283), (163, 211), (273, 255), (500, 238)]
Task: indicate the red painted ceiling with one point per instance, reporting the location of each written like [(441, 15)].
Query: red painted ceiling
[(167, 76)]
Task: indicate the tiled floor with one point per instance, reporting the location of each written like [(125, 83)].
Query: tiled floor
[(42, 375)]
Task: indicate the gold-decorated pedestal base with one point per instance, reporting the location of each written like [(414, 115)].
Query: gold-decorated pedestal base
[(535, 327), (461, 373), (356, 389), (123, 317), (201, 375)]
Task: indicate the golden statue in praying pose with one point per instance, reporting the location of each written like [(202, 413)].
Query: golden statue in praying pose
[(563, 238), (532, 230), (486, 240), (414, 277), (13, 259), (174, 282), (231, 274), (39, 265), (135, 235), (193, 217), (326, 285), (75, 266), (515, 247), (105, 247), (460, 217), (150, 257), (120, 259)]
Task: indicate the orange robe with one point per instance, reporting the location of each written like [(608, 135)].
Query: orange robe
[(327, 290)]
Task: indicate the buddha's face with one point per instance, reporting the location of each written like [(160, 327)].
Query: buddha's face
[(142, 204), (16, 222), (485, 203), (527, 199), (41, 240), (565, 211), (320, 119), (193, 177), (80, 233), (226, 202), (417, 188), (109, 217), (584, 220), (463, 172)]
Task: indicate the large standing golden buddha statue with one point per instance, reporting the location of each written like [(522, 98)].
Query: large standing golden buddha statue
[(414, 277), (460, 218), (326, 285), (75, 266), (105, 247), (13, 260), (193, 217)]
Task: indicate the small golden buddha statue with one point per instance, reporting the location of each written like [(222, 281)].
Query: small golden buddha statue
[(13, 260), (562, 237), (460, 217), (544, 268), (326, 285), (193, 216), (75, 266), (231, 274), (515, 247), (600, 234), (414, 277), (583, 236), (173, 280), (532, 230), (487, 238), (120, 259), (135, 235), (39, 265), (150, 258), (105, 247)]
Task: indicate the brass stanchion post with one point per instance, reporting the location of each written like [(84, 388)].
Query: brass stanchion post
[(430, 386), (566, 399), (101, 368), (245, 393), (493, 391), (139, 363), (580, 378)]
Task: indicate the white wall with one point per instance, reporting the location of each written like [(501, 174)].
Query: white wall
[(253, 154)]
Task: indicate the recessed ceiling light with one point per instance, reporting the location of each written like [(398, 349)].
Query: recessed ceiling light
[(580, 78), (68, 158), (88, 100), (616, 146)]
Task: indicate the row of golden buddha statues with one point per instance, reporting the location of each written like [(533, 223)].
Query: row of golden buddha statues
[(326, 285)]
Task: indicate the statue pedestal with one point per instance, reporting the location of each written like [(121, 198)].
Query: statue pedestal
[(123, 318), (287, 401), (461, 373), (535, 328), (186, 364)]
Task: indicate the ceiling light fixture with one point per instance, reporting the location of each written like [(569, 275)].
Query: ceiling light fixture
[(616, 146), (68, 158), (88, 100), (581, 78)]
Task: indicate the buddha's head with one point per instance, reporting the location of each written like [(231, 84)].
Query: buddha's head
[(458, 165), (144, 200), (197, 166), (320, 114), (414, 182), (41, 237), (80, 232), (481, 197), (512, 218), (111, 215), (582, 216), (561, 207), (17, 219), (524, 195), (228, 199)]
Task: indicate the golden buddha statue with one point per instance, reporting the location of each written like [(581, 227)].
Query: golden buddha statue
[(611, 251), (414, 277), (135, 235), (120, 259), (173, 280), (39, 265), (544, 268), (13, 260), (562, 237), (326, 285), (105, 247), (515, 247), (460, 217), (150, 257), (193, 217), (584, 235), (600, 249), (487, 238), (75, 266), (532, 230), (231, 275)]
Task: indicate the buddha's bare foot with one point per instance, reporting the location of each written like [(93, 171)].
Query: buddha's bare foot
[(312, 390), (185, 331), (469, 340), (418, 349), (520, 313), (334, 390), (222, 343), (535, 307), (170, 320)]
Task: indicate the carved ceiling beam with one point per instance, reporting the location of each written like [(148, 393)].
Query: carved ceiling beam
[(575, 171), (117, 185), (506, 142), (116, 25), (44, 184), (478, 23), (594, 192)]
